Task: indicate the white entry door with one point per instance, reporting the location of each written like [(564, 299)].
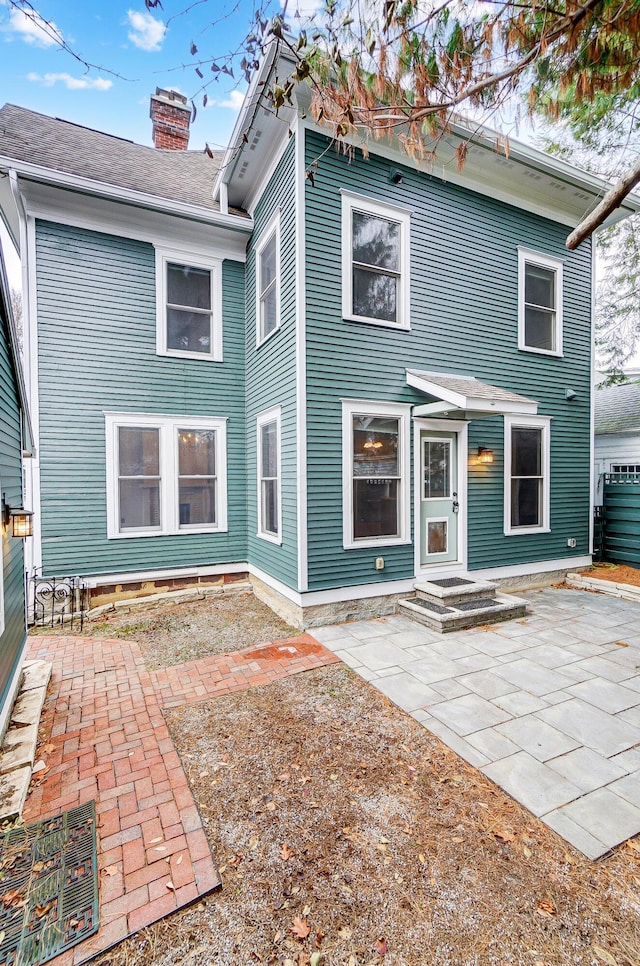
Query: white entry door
[(439, 498)]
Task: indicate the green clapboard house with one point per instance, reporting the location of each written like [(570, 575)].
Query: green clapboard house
[(15, 435), (337, 374)]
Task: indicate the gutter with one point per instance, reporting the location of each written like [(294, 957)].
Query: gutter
[(128, 196)]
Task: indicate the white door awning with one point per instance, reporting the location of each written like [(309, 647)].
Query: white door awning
[(466, 394)]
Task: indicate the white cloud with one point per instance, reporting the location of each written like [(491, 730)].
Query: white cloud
[(33, 28), (146, 32), (234, 101), (72, 83)]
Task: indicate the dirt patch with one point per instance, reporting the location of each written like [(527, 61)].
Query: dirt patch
[(347, 834), (170, 634), (617, 573)]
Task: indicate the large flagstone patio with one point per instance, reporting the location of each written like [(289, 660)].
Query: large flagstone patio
[(547, 706)]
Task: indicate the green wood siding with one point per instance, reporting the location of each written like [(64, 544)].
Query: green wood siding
[(13, 638), (464, 319), (271, 374), (97, 352)]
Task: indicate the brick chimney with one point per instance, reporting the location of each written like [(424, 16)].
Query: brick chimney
[(170, 116)]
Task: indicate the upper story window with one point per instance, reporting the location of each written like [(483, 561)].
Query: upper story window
[(268, 280), (165, 474), (375, 448), (189, 306), (527, 474), (540, 302), (269, 475), (375, 262)]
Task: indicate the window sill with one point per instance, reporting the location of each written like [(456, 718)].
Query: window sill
[(376, 542), (541, 352), (270, 538), (400, 326), (267, 337), (524, 531), (176, 354), (164, 533)]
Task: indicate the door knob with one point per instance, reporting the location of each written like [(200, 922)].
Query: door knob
[(456, 505)]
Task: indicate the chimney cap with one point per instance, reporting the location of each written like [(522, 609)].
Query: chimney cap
[(175, 98)]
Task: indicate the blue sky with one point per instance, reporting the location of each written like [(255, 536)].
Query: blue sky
[(148, 48)]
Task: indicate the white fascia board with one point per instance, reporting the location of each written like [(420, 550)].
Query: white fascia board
[(432, 389), (497, 407), (139, 199)]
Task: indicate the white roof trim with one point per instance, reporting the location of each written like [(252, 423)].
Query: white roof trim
[(467, 393)]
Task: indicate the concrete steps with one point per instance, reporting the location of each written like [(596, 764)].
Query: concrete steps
[(17, 755), (456, 603)]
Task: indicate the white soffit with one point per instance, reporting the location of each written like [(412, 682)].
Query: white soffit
[(467, 394)]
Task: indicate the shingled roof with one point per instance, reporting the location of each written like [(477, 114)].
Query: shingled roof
[(618, 409), (185, 176)]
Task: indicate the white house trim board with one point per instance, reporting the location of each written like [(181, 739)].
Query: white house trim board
[(461, 429), (365, 407), (33, 547), (267, 416), (301, 358), (351, 202), (527, 256), (167, 427), (475, 396), (164, 256), (593, 482), (271, 228)]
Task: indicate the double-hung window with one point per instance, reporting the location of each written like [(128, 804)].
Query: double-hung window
[(189, 306), (375, 262), (375, 447), (539, 302), (269, 475), (165, 474), (527, 468), (268, 280)]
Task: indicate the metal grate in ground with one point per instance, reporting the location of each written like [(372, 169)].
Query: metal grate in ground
[(48, 887)]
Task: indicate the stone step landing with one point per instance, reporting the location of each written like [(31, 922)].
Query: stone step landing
[(17, 755), (455, 603)]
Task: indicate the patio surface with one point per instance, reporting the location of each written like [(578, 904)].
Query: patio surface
[(105, 738), (547, 706)]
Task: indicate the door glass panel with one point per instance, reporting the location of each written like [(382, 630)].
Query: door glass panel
[(437, 469), (437, 536)]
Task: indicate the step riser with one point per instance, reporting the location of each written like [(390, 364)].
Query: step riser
[(446, 623), (452, 599)]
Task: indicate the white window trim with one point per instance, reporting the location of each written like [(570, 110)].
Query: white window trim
[(272, 226), (169, 504), (364, 407), (351, 201), (528, 422), (272, 415), (527, 256), (194, 260)]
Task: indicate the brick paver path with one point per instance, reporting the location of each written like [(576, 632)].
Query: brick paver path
[(104, 738)]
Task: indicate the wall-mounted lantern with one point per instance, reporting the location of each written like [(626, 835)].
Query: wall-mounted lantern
[(485, 455), (22, 523)]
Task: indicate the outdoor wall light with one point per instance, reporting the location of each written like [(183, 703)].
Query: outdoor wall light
[(485, 455), (22, 523)]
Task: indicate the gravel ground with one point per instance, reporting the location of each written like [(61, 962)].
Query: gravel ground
[(170, 634), (346, 834)]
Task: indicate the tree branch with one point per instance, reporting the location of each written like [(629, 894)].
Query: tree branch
[(612, 200)]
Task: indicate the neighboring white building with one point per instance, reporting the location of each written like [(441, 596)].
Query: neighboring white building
[(617, 431)]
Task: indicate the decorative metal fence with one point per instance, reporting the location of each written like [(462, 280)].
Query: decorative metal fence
[(621, 525), (56, 601)]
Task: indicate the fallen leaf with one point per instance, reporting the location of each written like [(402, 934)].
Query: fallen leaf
[(111, 870), (300, 928), (345, 932), (271, 806), (158, 839), (315, 959), (12, 898), (171, 886), (422, 858), (621, 643), (604, 956), (43, 910), (526, 852), (1, 937), (285, 853), (49, 748), (547, 908), (333, 776), (504, 835), (383, 840), (179, 860), (457, 838), (306, 910), (285, 776), (381, 946)]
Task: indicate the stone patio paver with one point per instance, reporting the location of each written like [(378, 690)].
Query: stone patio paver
[(561, 734)]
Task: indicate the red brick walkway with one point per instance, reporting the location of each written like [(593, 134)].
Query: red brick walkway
[(104, 738)]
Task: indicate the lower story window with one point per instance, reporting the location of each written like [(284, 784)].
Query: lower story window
[(269, 475), (165, 474), (526, 475), (375, 477)]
